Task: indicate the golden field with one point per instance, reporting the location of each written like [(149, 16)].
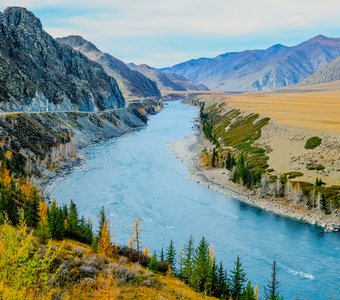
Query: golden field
[(296, 114)]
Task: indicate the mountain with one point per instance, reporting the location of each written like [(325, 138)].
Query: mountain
[(328, 73), (37, 73), (168, 81), (130, 82), (253, 70)]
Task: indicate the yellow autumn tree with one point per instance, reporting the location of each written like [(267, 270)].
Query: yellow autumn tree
[(136, 231), (146, 251), (104, 242), (24, 268), (6, 178)]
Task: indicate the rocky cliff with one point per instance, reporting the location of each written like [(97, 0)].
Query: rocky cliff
[(39, 74), (131, 83), (254, 70)]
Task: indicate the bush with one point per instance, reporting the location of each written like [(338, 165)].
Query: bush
[(313, 142)]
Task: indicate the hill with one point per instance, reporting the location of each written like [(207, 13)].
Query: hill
[(168, 81), (131, 83), (256, 70)]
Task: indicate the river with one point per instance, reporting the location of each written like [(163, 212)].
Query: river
[(138, 175)]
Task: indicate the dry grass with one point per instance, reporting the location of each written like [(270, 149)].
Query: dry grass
[(296, 115), (109, 285)]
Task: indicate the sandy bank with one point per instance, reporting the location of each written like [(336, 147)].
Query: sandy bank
[(188, 149)]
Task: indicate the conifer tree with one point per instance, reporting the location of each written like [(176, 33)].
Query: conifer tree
[(200, 266), (161, 256), (249, 293), (238, 279), (222, 285), (104, 242), (188, 256), (56, 221), (171, 256), (271, 291), (210, 286), (102, 220), (153, 263), (31, 210), (73, 220)]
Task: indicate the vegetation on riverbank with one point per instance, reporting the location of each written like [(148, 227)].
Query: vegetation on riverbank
[(233, 135), (51, 252)]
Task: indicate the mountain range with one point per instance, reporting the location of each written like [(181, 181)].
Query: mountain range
[(167, 81), (130, 82), (38, 74), (256, 70)]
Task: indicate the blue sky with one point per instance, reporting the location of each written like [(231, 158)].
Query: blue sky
[(165, 32)]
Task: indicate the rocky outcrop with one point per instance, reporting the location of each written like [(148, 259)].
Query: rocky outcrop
[(131, 83), (256, 70), (39, 74), (329, 73), (168, 81), (41, 142)]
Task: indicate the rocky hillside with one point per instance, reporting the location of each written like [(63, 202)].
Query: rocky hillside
[(329, 73), (131, 83), (38, 74), (168, 81), (253, 70)]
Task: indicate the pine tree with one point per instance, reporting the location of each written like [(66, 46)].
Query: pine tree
[(161, 256), (32, 212), (210, 286), (102, 220), (56, 221), (222, 285), (238, 279), (171, 256), (271, 291), (153, 263), (200, 266), (73, 221), (9, 207), (104, 242), (188, 256), (249, 293)]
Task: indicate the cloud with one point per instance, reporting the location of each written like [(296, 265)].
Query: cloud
[(133, 21)]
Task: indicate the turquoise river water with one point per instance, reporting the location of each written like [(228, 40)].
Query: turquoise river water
[(139, 175)]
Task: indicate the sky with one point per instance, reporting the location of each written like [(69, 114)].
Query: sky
[(162, 33)]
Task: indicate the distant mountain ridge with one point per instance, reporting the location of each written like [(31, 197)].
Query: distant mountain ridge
[(254, 70), (328, 73), (130, 82), (167, 81), (39, 74)]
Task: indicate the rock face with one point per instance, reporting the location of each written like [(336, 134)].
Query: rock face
[(130, 82), (253, 70), (329, 73), (39, 74), (167, 81)]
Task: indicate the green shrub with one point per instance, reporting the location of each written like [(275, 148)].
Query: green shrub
[(313, 142)]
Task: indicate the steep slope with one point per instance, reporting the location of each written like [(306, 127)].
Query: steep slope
[(329, 73), (130, 82), (275, 67), (39, 74), (168, 81)]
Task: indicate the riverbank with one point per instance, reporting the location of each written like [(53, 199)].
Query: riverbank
[(89, 130), (188, 150)]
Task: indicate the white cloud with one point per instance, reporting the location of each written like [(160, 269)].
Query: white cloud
[(120, 20)]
